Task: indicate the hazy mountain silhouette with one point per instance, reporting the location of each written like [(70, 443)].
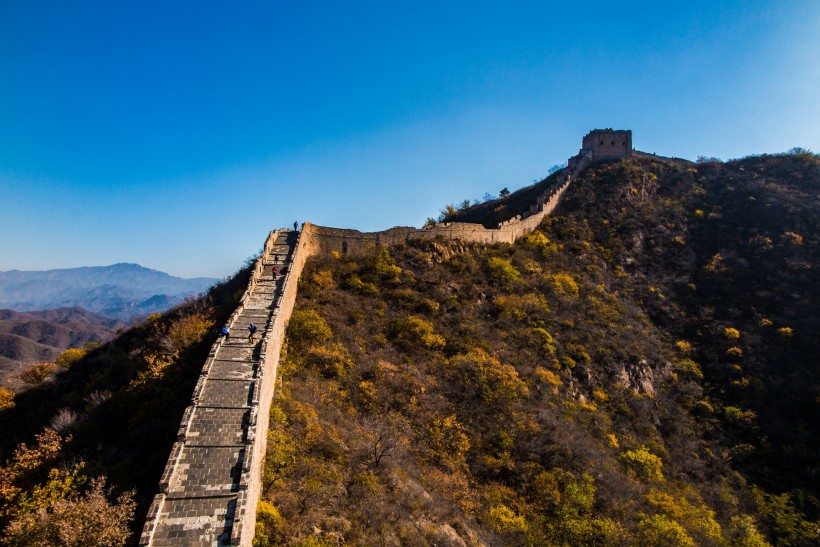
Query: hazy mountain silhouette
[(120, 291)]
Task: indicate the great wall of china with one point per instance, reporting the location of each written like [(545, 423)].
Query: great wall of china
[(211, 484)]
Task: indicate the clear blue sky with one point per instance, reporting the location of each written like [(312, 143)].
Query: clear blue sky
[(177, 134)]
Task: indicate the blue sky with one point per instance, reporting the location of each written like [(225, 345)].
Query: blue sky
[(176, 134)]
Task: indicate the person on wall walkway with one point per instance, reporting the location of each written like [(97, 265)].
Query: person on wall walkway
[(251, 332)]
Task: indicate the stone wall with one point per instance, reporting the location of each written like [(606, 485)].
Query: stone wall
[(240, 517), (324, 240), (270, 354)]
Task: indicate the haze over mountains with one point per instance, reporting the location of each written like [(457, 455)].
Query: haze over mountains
[(120, 291)]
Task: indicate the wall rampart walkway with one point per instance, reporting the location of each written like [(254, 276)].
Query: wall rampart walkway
[(211, 483)]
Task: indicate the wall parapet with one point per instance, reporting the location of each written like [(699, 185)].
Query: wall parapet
[(323, 240)]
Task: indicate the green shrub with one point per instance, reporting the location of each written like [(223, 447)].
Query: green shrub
[(413, 330), (307, 328), (502, 270), (643, 464)]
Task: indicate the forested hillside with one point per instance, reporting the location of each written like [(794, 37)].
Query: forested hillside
[(640, 370)]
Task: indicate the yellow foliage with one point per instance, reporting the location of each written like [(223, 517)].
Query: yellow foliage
[(24, 460), (698, 520), (689, 367), (520, 307), (564, 283), (497, 382), (661, 530), (268, 521), (368, 395), (386, 266), (504, 519), (613, 440), (539, 241), (155, 369), (323, 279), (331, 362), (69, 356), (413, 330), (547, 376), (740, 416), (683, 346), (599, 395), (307, 328), (502, 270), (88, 520), (785, 332), (643, 464), (448, 441), (189, 329), (6, 399), (60, 483), (731, 334), (743, 532), (368, 481)]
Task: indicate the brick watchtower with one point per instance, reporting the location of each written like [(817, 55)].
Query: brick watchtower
[(607, 144)]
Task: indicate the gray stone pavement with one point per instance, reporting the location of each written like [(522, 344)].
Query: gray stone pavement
[(201, 486)]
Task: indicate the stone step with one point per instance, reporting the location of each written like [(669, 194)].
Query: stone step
[(195, 521), (219, 372), (227, 393), (199, 504), (207, 470), (217, 426)]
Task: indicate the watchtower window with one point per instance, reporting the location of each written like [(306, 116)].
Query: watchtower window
[(613, 143), (602, 142)]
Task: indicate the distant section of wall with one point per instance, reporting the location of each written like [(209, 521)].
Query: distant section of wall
[(323, 240)]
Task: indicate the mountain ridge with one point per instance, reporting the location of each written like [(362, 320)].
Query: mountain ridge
[(122, 290)]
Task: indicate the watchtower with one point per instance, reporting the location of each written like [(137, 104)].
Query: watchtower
[(607, 144)]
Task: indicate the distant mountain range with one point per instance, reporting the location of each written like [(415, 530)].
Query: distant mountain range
[(27, 337), (120, 291)]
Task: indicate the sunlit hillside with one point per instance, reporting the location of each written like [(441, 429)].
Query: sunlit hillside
[(640, 370)]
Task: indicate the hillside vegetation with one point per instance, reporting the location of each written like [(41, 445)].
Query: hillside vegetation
[(641, 370), (84, 446)]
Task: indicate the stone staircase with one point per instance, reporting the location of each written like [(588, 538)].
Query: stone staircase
[(204, 490)]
